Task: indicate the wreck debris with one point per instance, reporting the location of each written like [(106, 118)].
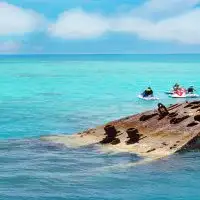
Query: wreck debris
[(162, 110), (111, 133), (133, 136)]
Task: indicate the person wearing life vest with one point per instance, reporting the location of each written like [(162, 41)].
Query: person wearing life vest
[(148, 92), (176, 87), (191, 90)]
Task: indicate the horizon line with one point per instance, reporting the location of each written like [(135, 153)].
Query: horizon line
[(43, 54)]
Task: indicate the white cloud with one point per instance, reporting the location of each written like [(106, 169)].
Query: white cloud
[(170, 20), (9, 46), (159, 8), (77, 24), (182, 27), (18, 21)]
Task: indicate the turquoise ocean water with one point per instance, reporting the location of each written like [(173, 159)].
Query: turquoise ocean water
[(44, 95)]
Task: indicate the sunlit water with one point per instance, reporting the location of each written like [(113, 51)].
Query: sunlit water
[(43, 95)]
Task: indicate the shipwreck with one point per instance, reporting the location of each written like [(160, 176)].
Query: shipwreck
[(156, 133)]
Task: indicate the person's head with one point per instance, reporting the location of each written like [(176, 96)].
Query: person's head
[(191, 86), (149, 88)]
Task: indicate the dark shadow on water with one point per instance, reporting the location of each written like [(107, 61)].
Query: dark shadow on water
[(87, 160)]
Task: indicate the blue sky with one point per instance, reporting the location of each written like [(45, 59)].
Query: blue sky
[(99, 26)]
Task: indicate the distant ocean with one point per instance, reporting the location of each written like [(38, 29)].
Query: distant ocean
[(52, 94)]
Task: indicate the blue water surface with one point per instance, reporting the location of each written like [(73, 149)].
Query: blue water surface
[(49, 94)]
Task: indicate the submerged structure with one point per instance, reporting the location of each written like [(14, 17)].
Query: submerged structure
[(157, 133)]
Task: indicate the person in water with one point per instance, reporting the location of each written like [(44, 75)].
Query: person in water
[(176, 87), (148, 92), (191, 90)]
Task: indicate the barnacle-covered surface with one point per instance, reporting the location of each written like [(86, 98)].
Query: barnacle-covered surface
[(159, 135)]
